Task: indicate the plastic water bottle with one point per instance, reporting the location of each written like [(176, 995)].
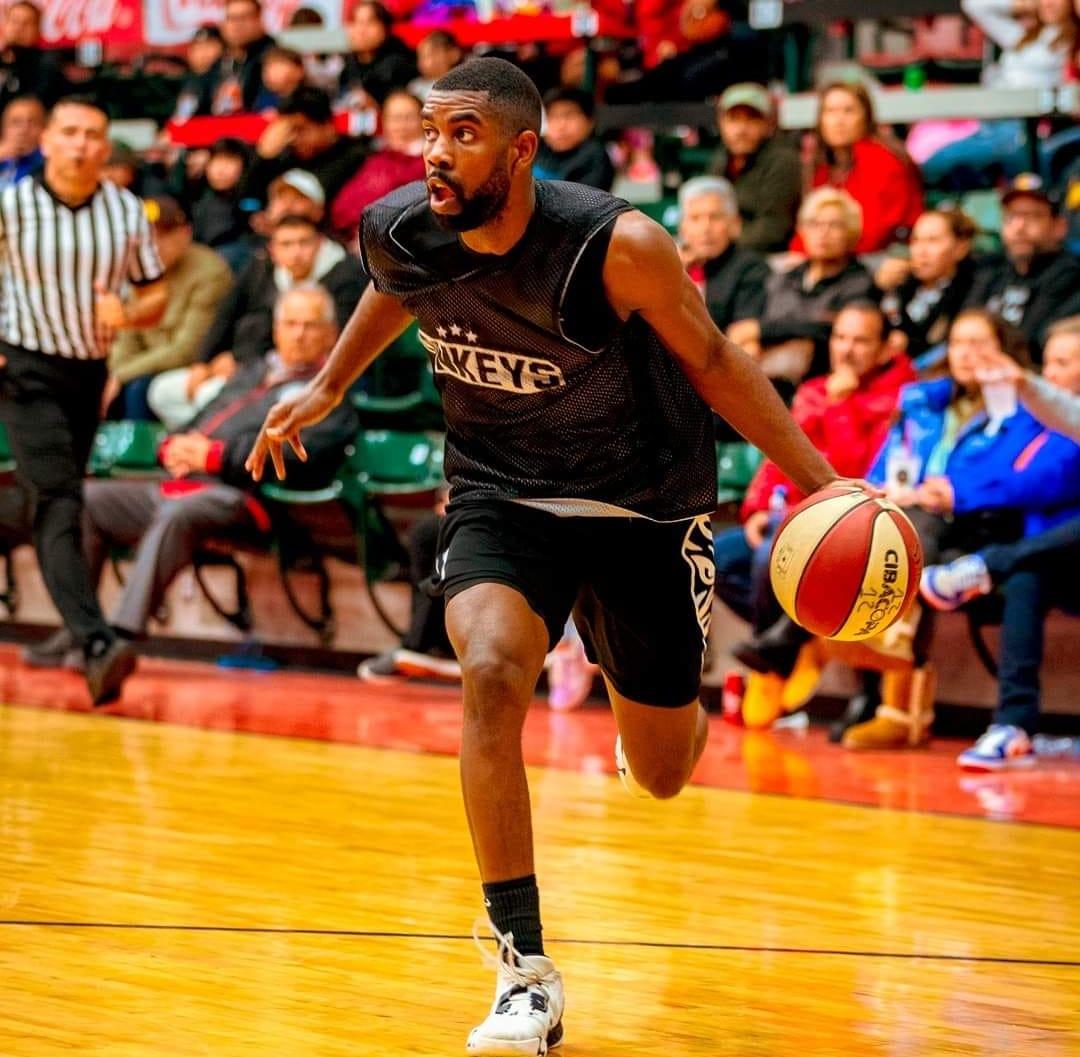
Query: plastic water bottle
[(777, 507), (731, 699)]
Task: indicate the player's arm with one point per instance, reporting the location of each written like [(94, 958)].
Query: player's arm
[(376, 322), (643, 274)]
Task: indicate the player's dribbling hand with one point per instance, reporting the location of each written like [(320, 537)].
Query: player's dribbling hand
[(282, 426), (856, 482)]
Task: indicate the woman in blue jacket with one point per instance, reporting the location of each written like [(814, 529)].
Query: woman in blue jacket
[(1040, 572), (970, 471)]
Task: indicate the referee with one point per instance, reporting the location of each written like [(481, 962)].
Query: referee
[(70, 247)]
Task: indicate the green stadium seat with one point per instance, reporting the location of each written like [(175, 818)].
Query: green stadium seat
[(736, 465), (7, 460), (127, 449)]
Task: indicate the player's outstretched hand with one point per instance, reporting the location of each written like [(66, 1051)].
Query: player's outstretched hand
[(282, 426)]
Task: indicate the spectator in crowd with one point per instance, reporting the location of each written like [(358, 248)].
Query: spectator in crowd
[(323, 70), (21, 125), (732, 280), (303, 135), (851, 156), (846, 415), (293, 193), (283, 72), (705, 57), (198, 280), (379, 61), (791, 337), (1034, 283), (764, 170), (436, 55), (208, 493), (1034, 575), (232, 85), (970, 469), (242, 330), (570, 149), (122, 166), (205, 51), (1037, 39), (924, 288), (395, 162), (218, 219), (25, 67)]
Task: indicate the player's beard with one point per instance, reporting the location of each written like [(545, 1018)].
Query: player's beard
[(483, 205)]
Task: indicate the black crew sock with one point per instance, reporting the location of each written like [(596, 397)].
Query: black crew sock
[(514, 906)]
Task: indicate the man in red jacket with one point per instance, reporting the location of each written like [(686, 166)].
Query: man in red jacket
[(846, 415)]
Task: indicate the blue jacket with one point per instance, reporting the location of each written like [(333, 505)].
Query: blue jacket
[(1022, 466)]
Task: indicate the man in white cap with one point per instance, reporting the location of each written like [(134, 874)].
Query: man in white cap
[(764, 170)]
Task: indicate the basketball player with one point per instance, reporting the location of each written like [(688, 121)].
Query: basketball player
[(577, 365)]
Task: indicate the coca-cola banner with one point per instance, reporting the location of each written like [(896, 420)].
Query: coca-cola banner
[(66, 22), (155, 22)]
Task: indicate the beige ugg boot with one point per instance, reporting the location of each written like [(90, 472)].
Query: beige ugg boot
[(903, 719)]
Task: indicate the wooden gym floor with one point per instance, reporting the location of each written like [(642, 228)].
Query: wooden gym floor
[(194, 887)]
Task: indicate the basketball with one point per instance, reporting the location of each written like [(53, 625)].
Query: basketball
[(845, 565)]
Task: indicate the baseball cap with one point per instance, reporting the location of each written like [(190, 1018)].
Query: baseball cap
[(755, 96), (1030, 185), (304, 182), (165, 213)]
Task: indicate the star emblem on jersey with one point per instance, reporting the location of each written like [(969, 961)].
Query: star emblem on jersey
[(465, 360)]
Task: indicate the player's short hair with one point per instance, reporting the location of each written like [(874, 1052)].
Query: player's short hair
[(257, 4), (510, 90)]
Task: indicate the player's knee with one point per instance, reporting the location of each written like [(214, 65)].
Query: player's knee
[(664, 784), (493, 681), (661, 779)]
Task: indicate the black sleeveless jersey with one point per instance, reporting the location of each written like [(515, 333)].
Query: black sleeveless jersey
[(548, 395)]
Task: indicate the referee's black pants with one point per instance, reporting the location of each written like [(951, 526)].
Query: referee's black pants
[(50, 406)]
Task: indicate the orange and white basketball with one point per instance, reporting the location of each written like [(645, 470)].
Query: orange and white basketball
[(845, 565)]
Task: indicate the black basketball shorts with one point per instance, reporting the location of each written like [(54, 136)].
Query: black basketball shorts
[(640, 591)]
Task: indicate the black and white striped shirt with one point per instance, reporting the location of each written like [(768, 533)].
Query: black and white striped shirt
[(51, 257)]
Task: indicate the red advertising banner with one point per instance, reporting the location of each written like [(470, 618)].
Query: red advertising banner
[(158, 23), (66, 22)]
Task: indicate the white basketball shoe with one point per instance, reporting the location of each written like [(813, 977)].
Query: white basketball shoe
[(526, 1016)]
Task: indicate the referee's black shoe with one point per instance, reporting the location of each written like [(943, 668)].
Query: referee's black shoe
[(106, 670)]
